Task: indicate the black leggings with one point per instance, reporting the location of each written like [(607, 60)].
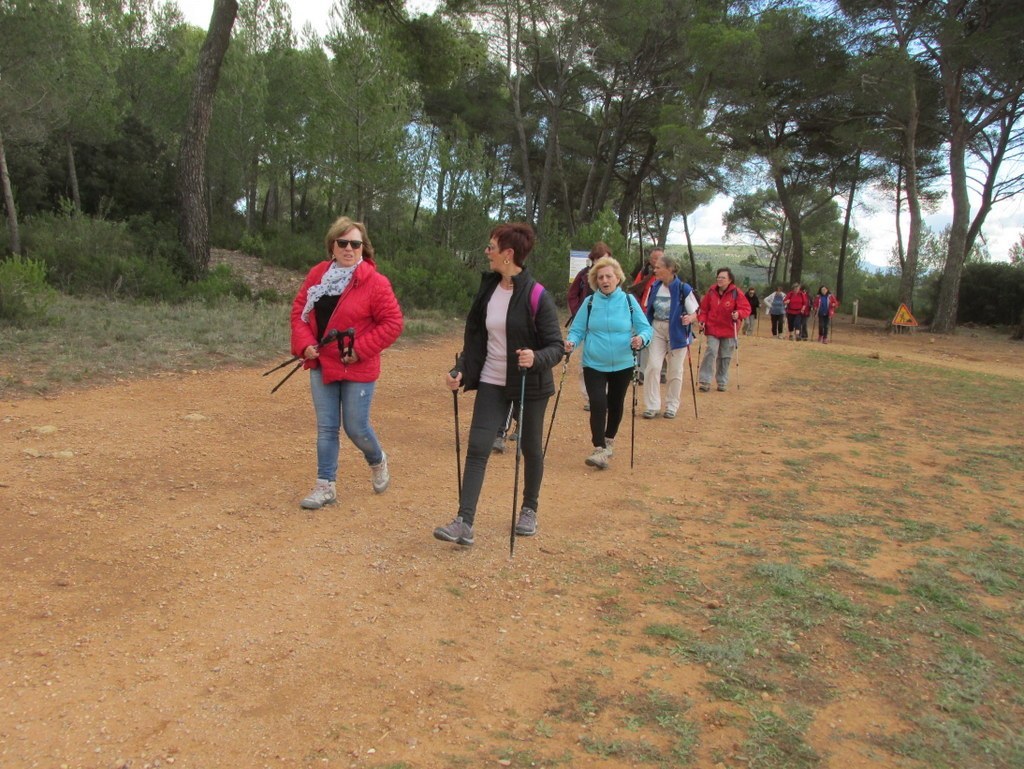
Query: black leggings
[(489, 412), (778, 325), (607, 392)]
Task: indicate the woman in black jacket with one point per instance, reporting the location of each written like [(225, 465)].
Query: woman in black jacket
[(512, 332)]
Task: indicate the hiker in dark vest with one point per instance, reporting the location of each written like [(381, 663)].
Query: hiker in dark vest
[(721, 310), (512, 332)]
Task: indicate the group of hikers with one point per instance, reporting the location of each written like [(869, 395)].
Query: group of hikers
[(792, 311), (512, 341)]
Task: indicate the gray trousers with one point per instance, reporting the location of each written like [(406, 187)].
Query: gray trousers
[(717, 358)]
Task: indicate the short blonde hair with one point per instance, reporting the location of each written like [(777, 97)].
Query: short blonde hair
[(342, 225), (605, 261)]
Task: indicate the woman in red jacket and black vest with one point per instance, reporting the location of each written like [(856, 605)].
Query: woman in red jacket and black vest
[(344, 293)]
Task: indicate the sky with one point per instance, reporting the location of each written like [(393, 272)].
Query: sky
[(873, 219)]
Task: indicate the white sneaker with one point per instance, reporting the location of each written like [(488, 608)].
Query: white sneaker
[(599, 458), (323, 493), (609, 447), (380, 476)]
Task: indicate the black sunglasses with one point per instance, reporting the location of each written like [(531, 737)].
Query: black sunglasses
[(356, 244)]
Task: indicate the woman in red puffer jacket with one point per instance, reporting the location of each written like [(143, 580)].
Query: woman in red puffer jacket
[(344, 294)]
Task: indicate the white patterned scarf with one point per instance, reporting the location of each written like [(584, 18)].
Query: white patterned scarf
[(332, 283)]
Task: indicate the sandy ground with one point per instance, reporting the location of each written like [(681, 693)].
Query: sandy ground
[(167, 602)]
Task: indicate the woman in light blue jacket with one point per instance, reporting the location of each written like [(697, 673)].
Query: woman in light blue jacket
[(613, 326)]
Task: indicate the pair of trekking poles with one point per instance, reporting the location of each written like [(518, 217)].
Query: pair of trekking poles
[(519, 442), (346, 342)]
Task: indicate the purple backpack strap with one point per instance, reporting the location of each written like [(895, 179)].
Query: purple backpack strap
[(535, 293)]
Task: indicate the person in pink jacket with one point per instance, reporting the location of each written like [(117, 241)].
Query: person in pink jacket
[(344, 293)]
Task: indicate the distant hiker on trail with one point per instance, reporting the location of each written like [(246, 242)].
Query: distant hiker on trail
[(794, 311), (612, 324), (721, 310), (512, 340), (641, 289), (825, 304), (580, 290), (346, 294), (775, 302), (805, 318), (672, 310), (750, 320)]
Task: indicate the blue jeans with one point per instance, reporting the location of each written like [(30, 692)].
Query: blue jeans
[(340, 403)]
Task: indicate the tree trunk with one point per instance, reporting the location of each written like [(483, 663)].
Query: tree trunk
[(908, 278), (693, 257), (634, 186), (796, 262), (13, 236), (193, 213), (76, 197), (944, 321), (845, 239)]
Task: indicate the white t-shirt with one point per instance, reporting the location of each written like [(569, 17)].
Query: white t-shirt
[(495, 368), (662, 303)]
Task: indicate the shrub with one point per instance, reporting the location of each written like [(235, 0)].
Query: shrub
[(218, 283), (94, 256), (23, 290)]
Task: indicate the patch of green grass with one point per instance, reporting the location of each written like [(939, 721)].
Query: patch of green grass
[(774, 742), (910, 530)]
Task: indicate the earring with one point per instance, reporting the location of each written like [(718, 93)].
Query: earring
[(506, 261)]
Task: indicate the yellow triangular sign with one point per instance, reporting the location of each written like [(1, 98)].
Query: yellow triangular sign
[(904, 317)]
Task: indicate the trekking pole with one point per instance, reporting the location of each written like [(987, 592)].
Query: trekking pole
[(736, 338), (632, 429), (458, 448), (551, 424), (329, 337), (693, 384), (519, 454)]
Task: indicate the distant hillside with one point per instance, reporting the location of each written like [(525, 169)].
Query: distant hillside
[(711, 257)]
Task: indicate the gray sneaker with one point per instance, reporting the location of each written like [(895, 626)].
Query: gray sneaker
[(458, 531), (526, 526), (599, 458), (499, 445), (380, 476), (323, 493)]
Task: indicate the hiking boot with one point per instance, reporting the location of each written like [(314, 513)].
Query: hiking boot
[(499, 445), (380, 476), (609, 447), (526, 526), (323, 493), (722, 388), (650, 414), (599, 458), (669, 415), (704, 388), (458, 531)]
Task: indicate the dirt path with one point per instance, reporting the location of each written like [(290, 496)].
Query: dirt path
[(167, 602)]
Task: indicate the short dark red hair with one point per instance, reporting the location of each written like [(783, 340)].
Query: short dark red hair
[(518, 236)]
